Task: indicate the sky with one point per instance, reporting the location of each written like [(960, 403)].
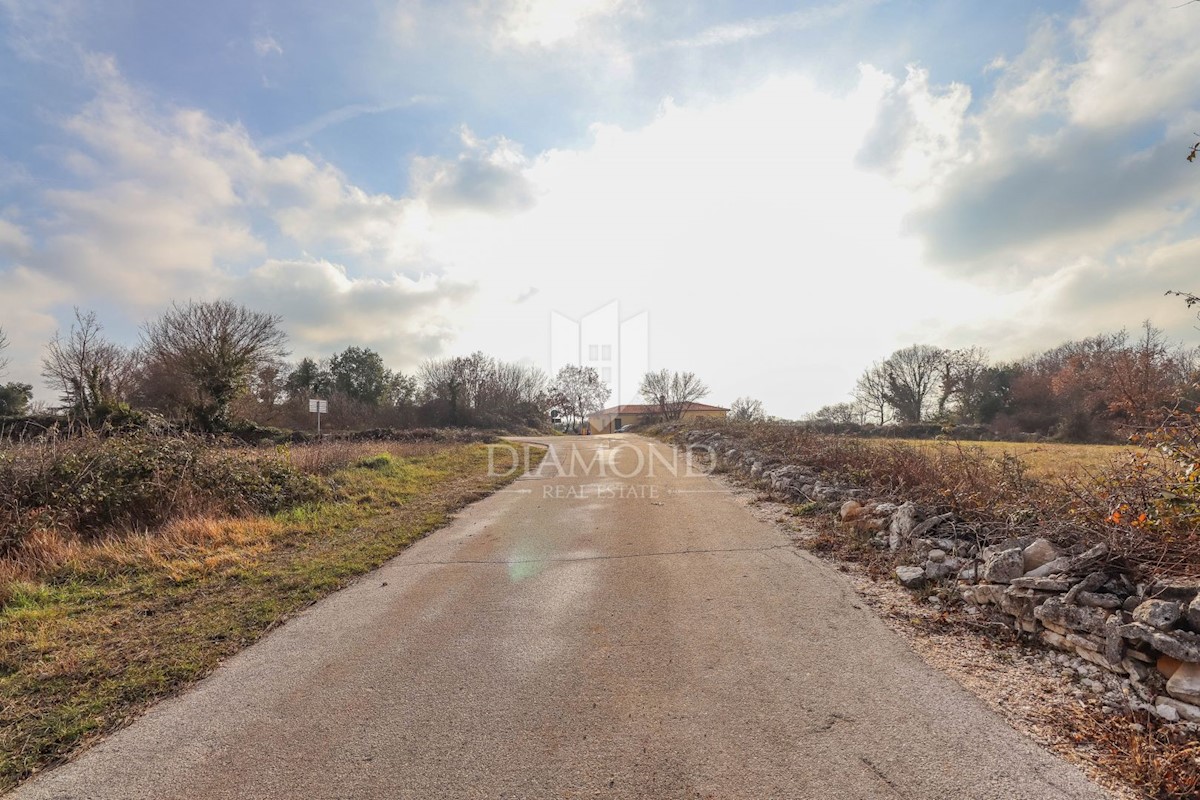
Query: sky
[(788, 190)]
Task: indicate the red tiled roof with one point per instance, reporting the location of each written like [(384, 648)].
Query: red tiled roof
[(639, 408)]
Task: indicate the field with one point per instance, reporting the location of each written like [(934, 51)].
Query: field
[(94, 628), (1044, 460)]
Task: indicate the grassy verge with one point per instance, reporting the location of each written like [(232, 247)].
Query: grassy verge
[(113, 625)]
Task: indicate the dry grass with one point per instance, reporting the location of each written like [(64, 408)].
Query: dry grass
[(94, 629), (1043, 460), (1076, 495), (330, 456)]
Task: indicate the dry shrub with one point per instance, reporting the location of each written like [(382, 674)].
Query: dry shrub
[(1144, 505), (1162, 761), (91, 486)]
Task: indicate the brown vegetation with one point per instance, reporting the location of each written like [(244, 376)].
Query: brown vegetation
[(1131, 500)]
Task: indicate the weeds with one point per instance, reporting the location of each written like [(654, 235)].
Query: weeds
[(93, 629), (1141, 502)]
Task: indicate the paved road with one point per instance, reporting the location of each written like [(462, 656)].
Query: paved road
[(587, 636)]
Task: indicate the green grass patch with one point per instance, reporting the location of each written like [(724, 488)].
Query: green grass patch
[(86, 649)]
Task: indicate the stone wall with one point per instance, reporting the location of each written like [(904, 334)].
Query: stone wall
[(1144, 634)]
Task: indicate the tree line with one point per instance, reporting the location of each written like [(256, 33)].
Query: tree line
[(214, 365), (1083, 390)]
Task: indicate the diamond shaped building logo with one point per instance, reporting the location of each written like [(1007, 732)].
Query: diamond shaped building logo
[(618, 349)]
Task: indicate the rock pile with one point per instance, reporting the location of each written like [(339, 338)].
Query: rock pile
[(1145, 636)]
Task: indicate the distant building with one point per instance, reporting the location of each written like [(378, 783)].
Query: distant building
[(610, 419)]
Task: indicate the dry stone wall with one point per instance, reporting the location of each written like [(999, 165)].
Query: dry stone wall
[(1144, 636)]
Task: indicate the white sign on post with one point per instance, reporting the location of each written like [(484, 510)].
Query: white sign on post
[(318, 407)]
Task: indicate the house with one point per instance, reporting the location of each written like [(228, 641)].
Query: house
[(609, 420)]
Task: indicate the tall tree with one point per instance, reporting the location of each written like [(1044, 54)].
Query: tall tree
[(871, 394), (213, 347), (360, 374), (673, 392), (579, 392), (912, 375), (3, 350), (308, 378), (747, 409), (15, 399), (89, 372)]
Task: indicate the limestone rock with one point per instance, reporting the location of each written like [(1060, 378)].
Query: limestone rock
[(1022, 604), (903, 522), (1040, 552), (1114, 643), (1003, 567), (1182, 645), (1185, 683), (1135, 669), (911, 577), (1055, 612), (937, 556), (850, 510), (1166, 712), (1161, 614), (1186, 711), (1193, 615), (1088, 559), (1094, 600), (1055, 567), (1089, 584), (1167, 666), (936, 570), (931, 523), (1179, 591), (983, 594), (1042, 584)]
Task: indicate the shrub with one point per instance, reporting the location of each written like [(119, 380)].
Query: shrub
[(91, 485)]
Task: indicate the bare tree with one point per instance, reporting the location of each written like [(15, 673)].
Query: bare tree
[(673, 392), (912, 374), (89, 372), (578, 391), (871, 394), (839, 413), (747, 409), (3, 348), (214, 347)]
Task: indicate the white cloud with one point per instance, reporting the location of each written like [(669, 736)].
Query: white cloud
[(13, 240), (1138, 62), (266, 45), (740, 224), (486, 176), (758, 27), (27, 320), (169, 204), (548, 23), (325, 310)]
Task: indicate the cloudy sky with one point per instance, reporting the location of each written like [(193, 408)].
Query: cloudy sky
[(790, 190)]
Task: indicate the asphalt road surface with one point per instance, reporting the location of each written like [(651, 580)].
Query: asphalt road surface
[(602, 635)]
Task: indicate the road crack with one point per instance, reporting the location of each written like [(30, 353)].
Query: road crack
[(608, 557)]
